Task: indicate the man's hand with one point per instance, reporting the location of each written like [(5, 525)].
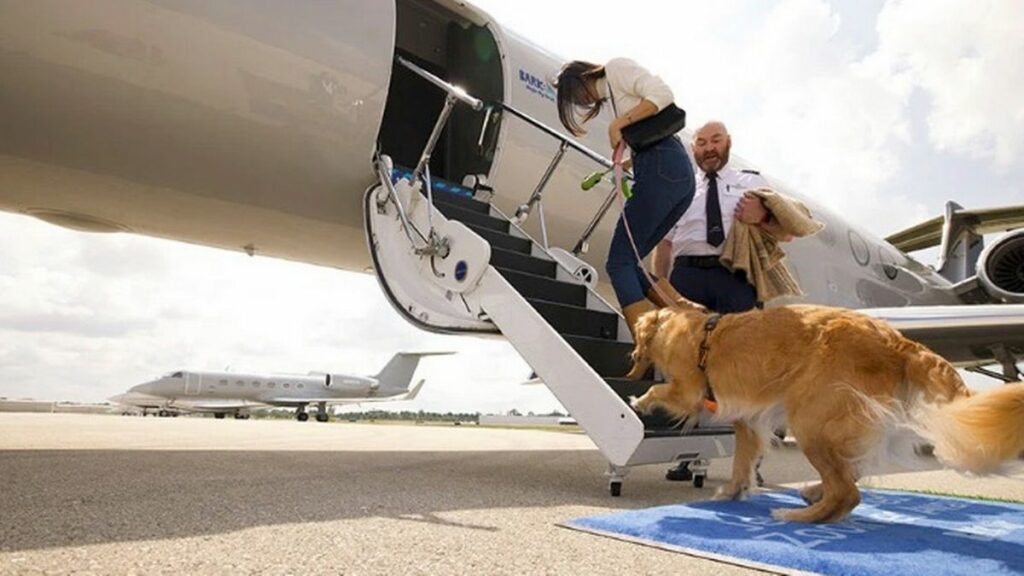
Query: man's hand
[(750, 210)]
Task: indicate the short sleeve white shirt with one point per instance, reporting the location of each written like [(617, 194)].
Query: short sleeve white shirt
[(689, 235)]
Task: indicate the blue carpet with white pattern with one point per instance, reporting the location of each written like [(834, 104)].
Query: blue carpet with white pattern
[(889, 533)]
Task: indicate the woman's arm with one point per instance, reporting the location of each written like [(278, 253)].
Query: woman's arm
[(645, 109)]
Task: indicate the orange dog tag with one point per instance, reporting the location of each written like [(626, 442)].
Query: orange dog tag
[(710, 405)]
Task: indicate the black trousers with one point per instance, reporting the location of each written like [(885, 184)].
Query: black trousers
[(717, 288)]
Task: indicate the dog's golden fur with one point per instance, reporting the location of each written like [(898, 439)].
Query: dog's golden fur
[(839, 378)]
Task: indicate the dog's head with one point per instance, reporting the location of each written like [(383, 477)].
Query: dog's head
[(646, 329)]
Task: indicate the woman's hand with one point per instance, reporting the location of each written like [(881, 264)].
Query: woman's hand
[(615, 132)]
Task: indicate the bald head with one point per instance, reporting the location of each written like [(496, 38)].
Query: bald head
[(711, 146)]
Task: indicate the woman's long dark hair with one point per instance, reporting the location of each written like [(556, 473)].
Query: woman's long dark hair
[(572, 85)]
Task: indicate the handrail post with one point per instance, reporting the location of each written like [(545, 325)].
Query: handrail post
[(523, 212), (581, 245), (435, 135)]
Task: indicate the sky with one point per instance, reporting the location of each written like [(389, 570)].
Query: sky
[(882, 110)]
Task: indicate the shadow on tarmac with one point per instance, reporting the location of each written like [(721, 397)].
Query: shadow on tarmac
[(65, 498)]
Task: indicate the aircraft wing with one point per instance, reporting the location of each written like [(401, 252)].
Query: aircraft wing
[(981, 221), (965, 335), (213, 405), (294, 402)]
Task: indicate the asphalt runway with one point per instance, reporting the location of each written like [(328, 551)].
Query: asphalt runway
[(88, 494)]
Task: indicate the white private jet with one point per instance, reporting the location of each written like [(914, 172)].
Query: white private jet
[(222, 393), (418, 140)]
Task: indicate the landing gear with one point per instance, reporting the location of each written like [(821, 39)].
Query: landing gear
[(615, 475), (1008, 360), (218, 415), (699, 467), (321, 413), (163, 413), (241, 416)]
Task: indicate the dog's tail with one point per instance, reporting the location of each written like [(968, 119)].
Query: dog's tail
[(971, 432)]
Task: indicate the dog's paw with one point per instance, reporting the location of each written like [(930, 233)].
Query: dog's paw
[(641, 405), (806, 515), (732, 491)]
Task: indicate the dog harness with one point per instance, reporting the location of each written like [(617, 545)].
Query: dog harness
[(702, 361)]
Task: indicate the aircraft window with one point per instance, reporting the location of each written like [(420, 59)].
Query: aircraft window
[(271, 384), (176, 375), (286, 385), (239, 383), (300, 386), (888, 264), (223, 382), (859, 248), (255, 384)]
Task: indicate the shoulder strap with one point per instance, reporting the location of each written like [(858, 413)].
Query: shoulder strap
[(611, 97)]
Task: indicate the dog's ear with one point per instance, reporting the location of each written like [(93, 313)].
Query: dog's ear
[(646, 327)]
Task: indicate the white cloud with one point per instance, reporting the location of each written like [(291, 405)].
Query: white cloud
[(966, 58)]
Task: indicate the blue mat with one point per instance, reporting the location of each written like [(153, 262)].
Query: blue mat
[(889, 533)]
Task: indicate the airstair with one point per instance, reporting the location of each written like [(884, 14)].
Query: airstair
[(449, 261)]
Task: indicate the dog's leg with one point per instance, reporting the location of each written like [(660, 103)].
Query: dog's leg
[(657, 395), (682, 401), (749, 447), (812, 493), (839, 493)]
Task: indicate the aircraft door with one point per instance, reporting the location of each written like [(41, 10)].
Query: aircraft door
[(193, 383)]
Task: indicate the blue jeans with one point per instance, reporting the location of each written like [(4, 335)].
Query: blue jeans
[(662, 192)]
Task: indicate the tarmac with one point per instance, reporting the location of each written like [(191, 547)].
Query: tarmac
[(92, 494)]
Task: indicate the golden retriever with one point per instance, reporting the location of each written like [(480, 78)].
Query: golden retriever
[(838, 379)]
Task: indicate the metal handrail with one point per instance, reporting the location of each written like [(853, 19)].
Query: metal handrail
[(524, 210), (458, 93), (558, 136), (455, 93)]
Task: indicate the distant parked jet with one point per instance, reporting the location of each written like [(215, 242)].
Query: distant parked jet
[(225, 393)]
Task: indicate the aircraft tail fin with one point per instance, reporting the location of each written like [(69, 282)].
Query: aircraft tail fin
[(397, 374)]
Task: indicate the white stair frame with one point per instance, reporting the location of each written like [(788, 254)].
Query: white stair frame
[(493, 306)]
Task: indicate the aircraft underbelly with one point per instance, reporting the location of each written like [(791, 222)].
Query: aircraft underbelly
[(218, 123)]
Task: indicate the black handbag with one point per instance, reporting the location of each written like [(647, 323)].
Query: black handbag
[(650, 131)]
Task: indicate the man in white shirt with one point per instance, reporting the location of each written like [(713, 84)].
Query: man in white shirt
[(691, 250)]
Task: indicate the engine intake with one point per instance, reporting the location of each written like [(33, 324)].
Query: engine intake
[(1001, 268)]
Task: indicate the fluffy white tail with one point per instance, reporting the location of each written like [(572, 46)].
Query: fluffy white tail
[(977, 433)]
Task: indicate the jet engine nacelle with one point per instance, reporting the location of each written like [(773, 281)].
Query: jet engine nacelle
[(358, 386), (1001, 268)]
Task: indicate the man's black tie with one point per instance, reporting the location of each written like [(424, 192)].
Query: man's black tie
[(716, 234)]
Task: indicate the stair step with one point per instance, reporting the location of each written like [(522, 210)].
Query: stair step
[(578, 321), (500, 240), (609, 358), (539, 287), (453, 212), (502, 258), (464, 202)]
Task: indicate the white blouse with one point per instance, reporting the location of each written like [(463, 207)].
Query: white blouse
[(630, 84)]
